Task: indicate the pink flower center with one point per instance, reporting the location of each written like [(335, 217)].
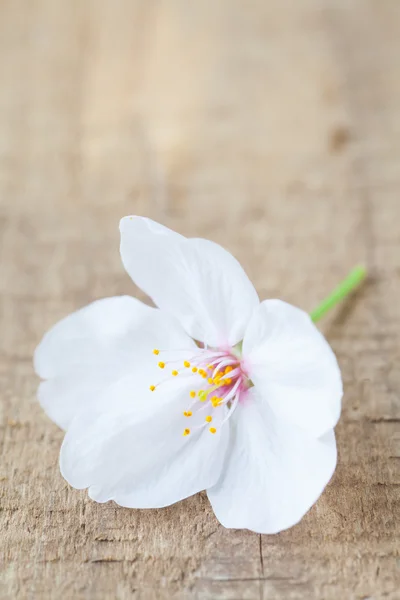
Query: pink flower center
[(219, 381)]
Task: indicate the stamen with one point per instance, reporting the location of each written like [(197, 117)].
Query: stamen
[(216, 401), (224, 378), (232, 392), (237, 371), (222, 364)]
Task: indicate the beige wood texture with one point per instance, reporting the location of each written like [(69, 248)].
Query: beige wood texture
[(269, 126)]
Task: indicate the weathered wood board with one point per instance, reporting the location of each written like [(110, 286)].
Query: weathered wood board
[(271, 127)]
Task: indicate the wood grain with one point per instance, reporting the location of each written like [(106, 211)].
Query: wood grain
[(272, 128)]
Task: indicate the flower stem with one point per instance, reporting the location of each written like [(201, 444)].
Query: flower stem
[(348, 285)]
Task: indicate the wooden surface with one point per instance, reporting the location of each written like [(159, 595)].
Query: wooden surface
[(271, 127)]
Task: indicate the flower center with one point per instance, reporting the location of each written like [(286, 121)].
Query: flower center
[(219, 381)]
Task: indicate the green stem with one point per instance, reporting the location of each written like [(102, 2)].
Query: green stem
[(348, 285)]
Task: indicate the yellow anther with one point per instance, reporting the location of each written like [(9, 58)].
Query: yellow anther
[(194, 369), (201, 371), (228, 381), (212, 430), (152, 388), (204, 376), (208, 419), (186, 431), (161, 365), (174, 373), (202, 396), (228, 369), (187, 413), (156, 351), (186, 364), (216, 401), (193, 394), (210, 367), (210, 380)]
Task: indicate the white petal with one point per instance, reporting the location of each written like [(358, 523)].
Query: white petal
[(93, 347), (130, 447), (194, 279), (293, 366), (274, 472), (73, 340)]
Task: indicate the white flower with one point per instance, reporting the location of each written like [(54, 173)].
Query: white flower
[(246, 393)]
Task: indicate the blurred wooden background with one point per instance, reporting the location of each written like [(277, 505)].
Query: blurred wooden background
[(271, 127)]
